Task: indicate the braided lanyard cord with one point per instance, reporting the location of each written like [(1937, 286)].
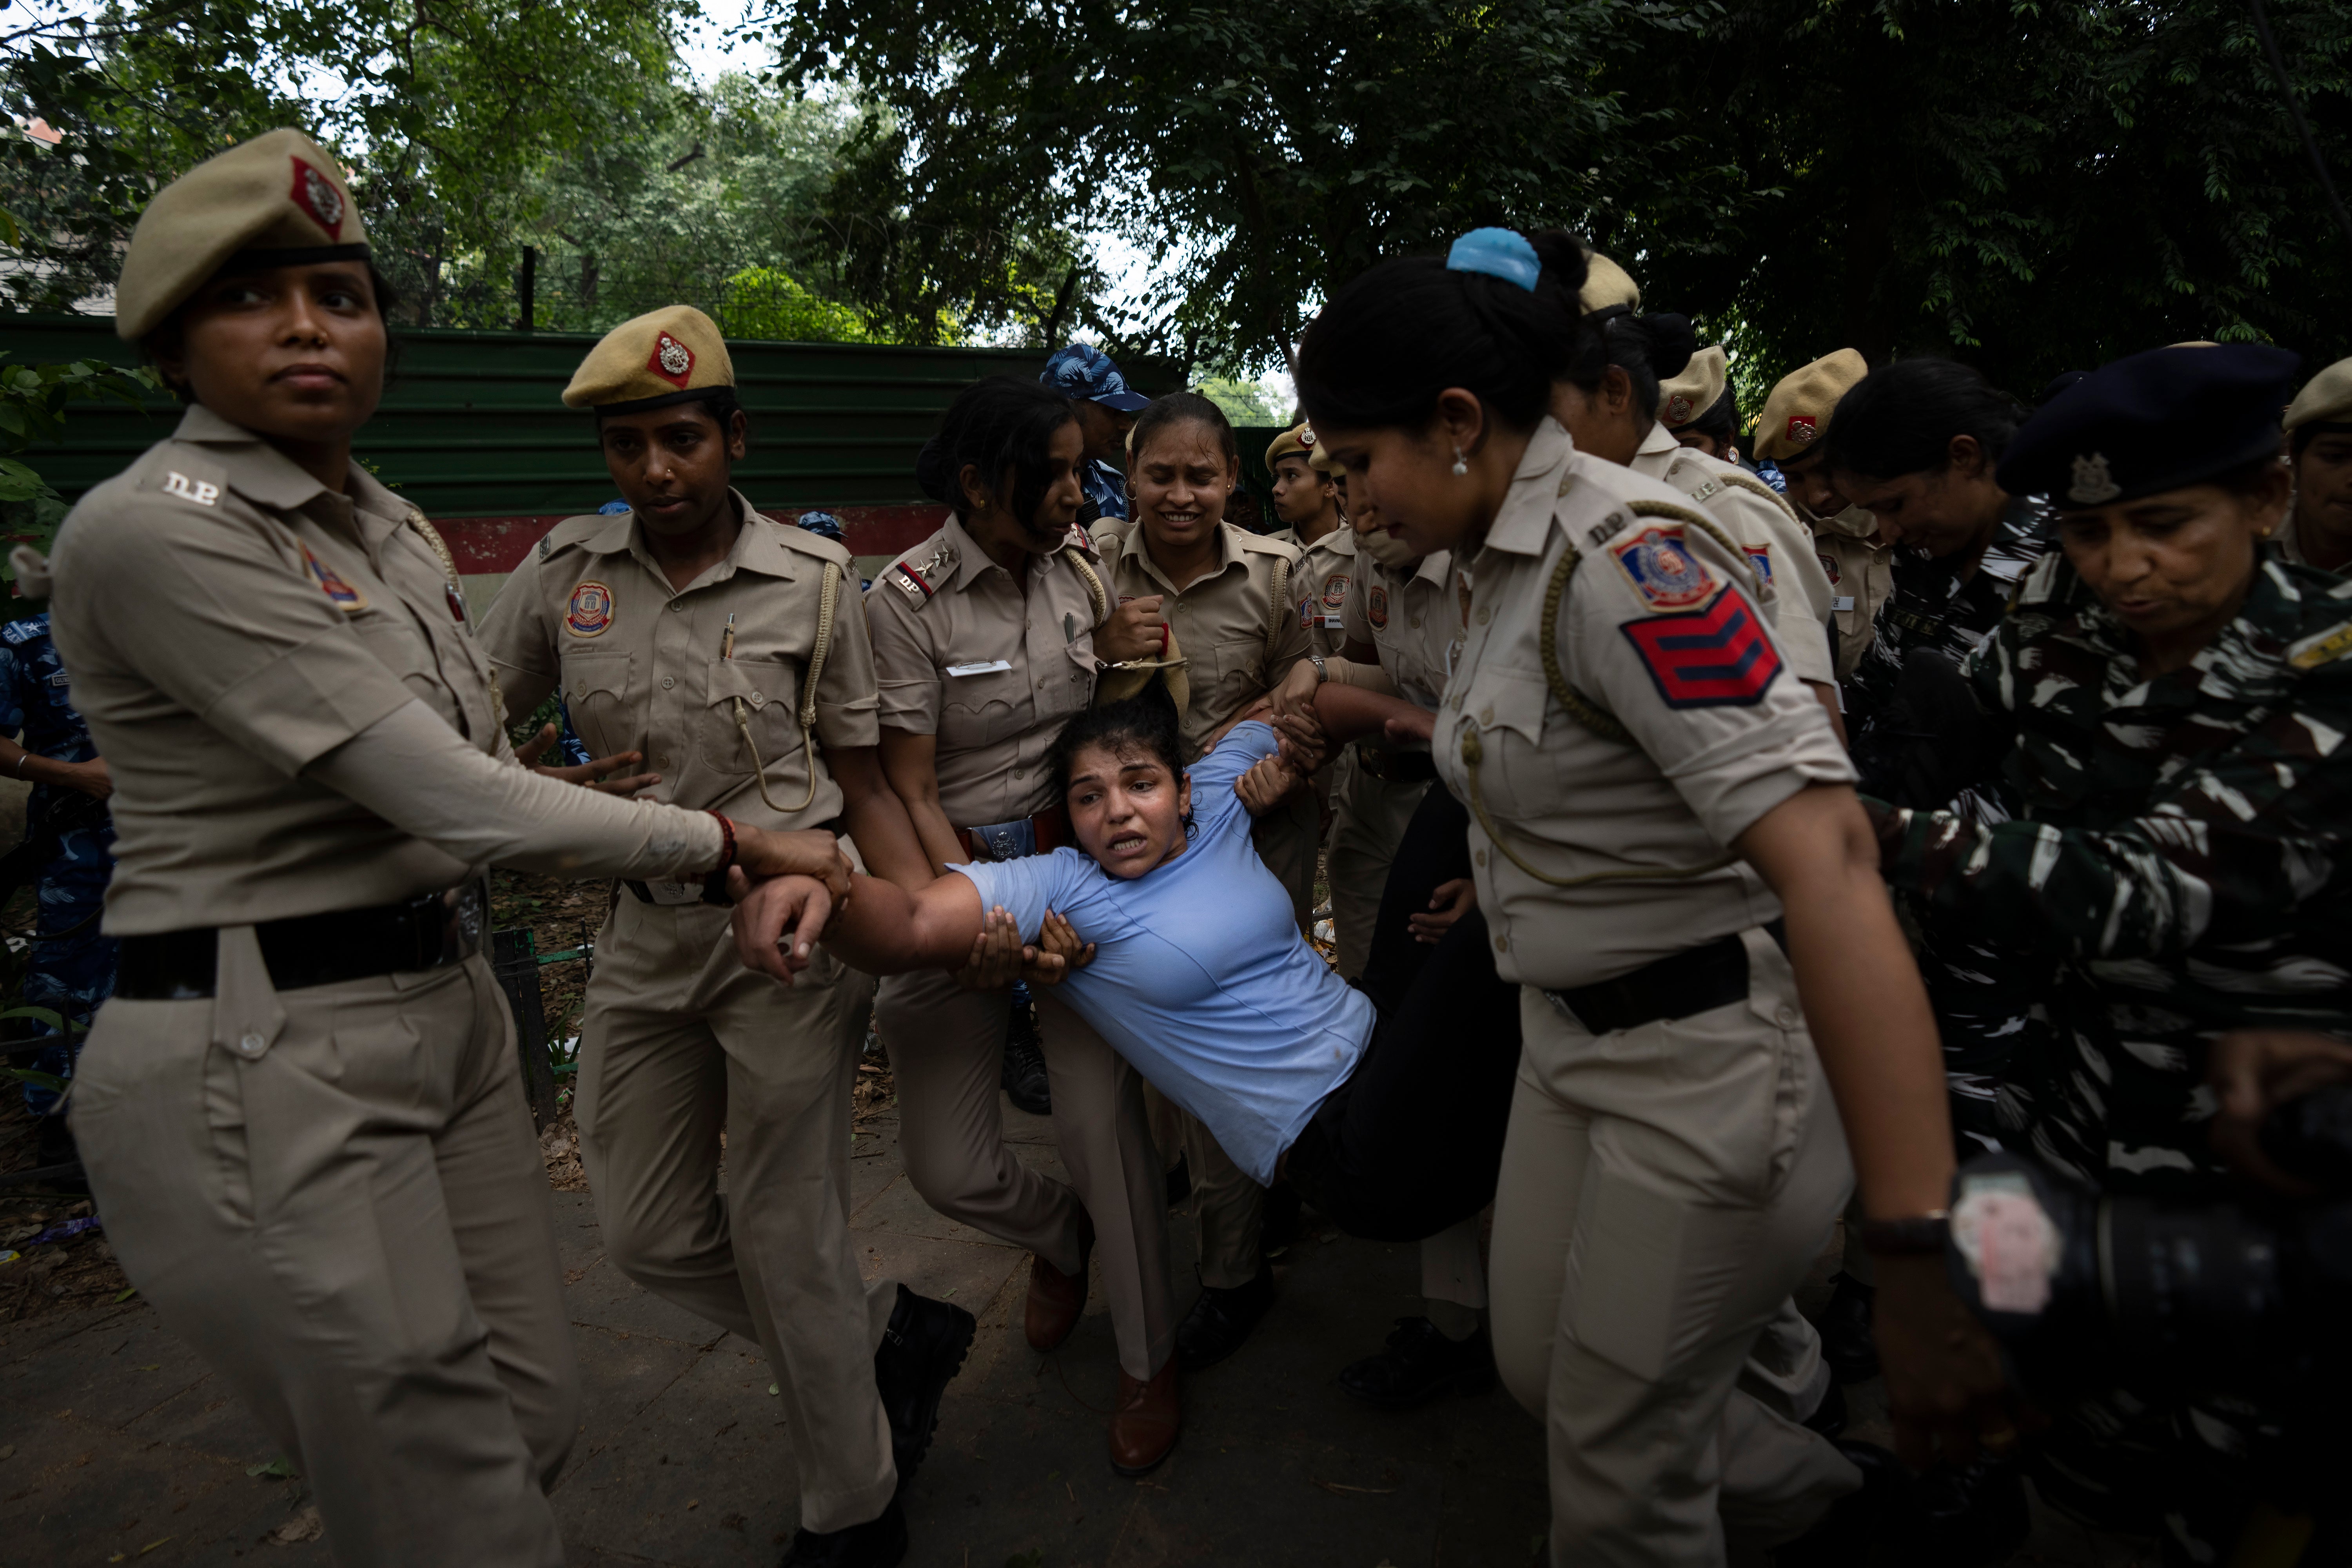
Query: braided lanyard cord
[(828, 601), (1587, 712)]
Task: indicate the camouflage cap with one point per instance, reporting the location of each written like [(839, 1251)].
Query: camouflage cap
[(1695, 390), (1298, 440), (2326, 398), (674, 354), (1797, 415), (278, 200), (1607, 284), (1082, 369)]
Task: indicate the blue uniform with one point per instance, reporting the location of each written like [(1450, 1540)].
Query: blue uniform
[(74, 973), (1106, 487)]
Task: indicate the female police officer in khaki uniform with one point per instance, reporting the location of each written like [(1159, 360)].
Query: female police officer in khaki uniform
[(300, 1112), (985, 641), (1643, 779), (720, 645)]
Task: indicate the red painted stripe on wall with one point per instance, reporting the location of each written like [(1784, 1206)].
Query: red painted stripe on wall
[(484, 545)]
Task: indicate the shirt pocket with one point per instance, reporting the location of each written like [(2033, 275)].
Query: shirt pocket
[(403, 647), (981, 710), (768, 690), (1505, 712), (598, 689), (1240, 664)]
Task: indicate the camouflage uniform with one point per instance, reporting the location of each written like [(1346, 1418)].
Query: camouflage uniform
[(72, 973), (2181, 852), (1979, 990), (1106, 487)]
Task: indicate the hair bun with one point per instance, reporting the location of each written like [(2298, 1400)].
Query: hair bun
[(1562, 256), (1673, 341), (931, 465)]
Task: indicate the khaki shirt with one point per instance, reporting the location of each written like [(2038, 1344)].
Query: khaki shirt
[(1861, 573), (1767, 528), (1415, 624), (962, 653), (1657, 627), (592, 614), (1235, 625), (227, 620), (1318, 585)]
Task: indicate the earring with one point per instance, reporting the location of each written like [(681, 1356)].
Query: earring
[(1460, 467)]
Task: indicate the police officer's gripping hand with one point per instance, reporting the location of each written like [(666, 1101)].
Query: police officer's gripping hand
[(995, 961), (1417, 727), (1058, 953), (590, 773), (1136, 630), (808, 852), (1296, 694), (93, 778), (2254, 1071), (777, 922), (1946, 1392)]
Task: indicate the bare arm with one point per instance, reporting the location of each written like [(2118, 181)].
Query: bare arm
[(91, 777), (882, 930), (1352, 712), (875, 818), (1876, 1037), (910, 764)]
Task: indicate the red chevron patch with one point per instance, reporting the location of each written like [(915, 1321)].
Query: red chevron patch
[(1715, 658)]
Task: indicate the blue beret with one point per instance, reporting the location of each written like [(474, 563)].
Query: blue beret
[(2153, 422)]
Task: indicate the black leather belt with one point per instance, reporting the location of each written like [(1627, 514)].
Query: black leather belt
[(423, 932), (1679, 985), (1391, 766)]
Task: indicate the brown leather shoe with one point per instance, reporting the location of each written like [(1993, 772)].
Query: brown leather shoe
[(1145, 1422), (1057, 1301)]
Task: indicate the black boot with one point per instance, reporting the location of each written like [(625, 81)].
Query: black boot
[(922, 1349), (1419, 1364), (878, 1544), (1024, 1076), (1844, 1328), (1221, 1320), (1884, 1511)]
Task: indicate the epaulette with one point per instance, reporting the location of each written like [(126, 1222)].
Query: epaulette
[(793, 536), (573, 531), (17, 633), (2321, 647), (919, 583), (1265, 546), (1084, 540)]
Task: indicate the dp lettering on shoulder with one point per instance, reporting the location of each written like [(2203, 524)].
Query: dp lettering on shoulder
[(200, 491)]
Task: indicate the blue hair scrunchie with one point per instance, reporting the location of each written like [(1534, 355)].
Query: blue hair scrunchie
[(1500, 253)]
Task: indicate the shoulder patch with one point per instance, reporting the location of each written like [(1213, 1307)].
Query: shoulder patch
[(1760, 557), (17, 633), (2321, 647), (903, 578), (590, 613), (1663, 571), (919, 583), (340, 593), (1713, 657)]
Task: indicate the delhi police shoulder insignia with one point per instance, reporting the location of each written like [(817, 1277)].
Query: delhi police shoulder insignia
[(1335, 591), (1714, 657), (2094, 485), (340, 593), (671, 360), (590, 614), (1829, 566), (1376, 607), (1760, 557), (1663, 570)]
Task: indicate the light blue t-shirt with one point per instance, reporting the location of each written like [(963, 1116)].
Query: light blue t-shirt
[(1200, 978)]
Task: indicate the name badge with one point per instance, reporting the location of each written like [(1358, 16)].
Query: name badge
[(982, 667), (1842, 602), (674, 892), (1333, 624)]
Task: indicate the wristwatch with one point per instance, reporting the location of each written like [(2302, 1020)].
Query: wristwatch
[(1322, 670)]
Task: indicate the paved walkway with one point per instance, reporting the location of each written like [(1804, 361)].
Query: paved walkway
[(118, 1446)]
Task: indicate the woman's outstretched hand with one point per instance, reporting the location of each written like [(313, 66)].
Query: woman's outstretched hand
[(777, 922), (591, 774), (996, 955)]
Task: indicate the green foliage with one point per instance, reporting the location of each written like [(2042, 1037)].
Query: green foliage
[(762, 302), (32, 400), (1244, 402)]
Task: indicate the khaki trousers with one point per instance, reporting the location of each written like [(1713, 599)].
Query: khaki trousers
[(947, 1047), (1289, 839), (1368, 821), (1663, 1190), (348, 1220), (677, 1042)]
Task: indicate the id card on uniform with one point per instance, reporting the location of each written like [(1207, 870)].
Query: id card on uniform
[(1842, 602), (981, 667), (674, 892)]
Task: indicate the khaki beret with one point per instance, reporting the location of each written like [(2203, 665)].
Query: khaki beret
[(278, 193), (1607, 284), (1319, 460), (1697, 390), (674, 354), (1797, 415), (1300, 440), (2326, 398)]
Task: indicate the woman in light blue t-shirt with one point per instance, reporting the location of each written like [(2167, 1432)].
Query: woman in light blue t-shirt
[(1194, 968)]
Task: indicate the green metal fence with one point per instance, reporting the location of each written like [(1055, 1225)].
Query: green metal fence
[(473, 424)]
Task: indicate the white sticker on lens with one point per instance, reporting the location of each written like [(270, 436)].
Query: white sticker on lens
[(2008, 1241)]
